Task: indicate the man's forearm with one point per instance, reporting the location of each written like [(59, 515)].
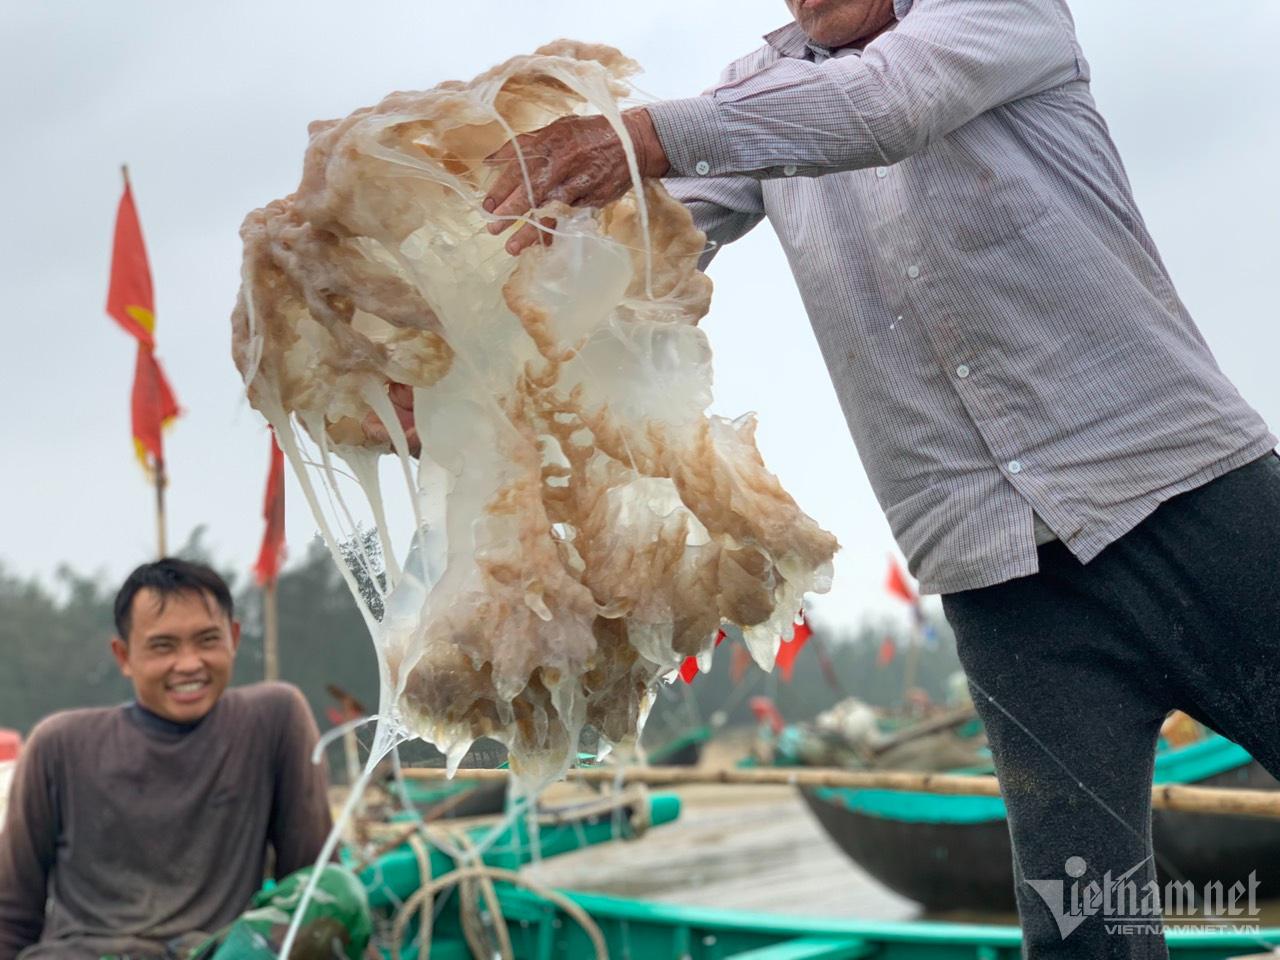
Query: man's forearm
[(651, 158)]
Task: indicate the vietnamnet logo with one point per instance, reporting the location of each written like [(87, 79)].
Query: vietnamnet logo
[(1130, 903)]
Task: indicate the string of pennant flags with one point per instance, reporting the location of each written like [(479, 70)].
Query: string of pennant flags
[(898, 585)]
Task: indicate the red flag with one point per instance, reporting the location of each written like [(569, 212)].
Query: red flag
[(130, 304), (689, 669), (153, 407), (888, 650), (786, 659), (129, 300), (271, 554), (898, 585)]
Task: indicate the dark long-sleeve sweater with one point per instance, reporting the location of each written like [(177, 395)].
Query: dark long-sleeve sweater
[(137, 832)]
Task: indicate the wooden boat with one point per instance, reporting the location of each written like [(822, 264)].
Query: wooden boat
[(639, 930), (682, 751), (953, 852), (456, 798)]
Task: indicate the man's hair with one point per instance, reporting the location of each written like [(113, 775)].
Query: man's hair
[(168, 576)]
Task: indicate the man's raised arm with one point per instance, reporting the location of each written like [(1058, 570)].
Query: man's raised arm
[(945, 63)]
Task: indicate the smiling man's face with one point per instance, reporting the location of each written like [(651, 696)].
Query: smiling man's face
[(841, 23), (179, 653)]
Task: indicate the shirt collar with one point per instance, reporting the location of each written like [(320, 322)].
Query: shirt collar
[(790, 40), (155, 723)]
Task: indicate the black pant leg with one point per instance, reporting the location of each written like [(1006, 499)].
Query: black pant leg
[(1210, 565), (1058, 680)]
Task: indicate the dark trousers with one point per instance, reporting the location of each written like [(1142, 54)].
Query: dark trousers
[(1074, 668)]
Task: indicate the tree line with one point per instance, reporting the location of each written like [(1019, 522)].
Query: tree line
[(55, 649)]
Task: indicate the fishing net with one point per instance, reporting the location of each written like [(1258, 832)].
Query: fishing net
[(580, 525)]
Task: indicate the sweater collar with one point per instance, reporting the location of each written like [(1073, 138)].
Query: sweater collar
[(154, 723)]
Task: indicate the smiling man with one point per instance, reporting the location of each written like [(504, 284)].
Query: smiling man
[(1054, 446), (138, 830)]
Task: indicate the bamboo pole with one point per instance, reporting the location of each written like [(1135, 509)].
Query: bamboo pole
[(912, 665), (161, 481), (270, 633), (1262, 804)]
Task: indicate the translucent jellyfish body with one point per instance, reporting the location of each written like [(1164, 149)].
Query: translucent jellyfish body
[(580, 524)]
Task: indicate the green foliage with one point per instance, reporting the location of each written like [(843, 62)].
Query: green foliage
[(56, 640), (323, 638), (56, 647)]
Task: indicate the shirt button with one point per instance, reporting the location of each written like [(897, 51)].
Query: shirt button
[(882, 172), (790, 169), (1014, 466), (913, 271), (702, 168), (962, 371)]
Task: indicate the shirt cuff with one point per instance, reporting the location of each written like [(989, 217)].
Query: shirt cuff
[(693, 137)]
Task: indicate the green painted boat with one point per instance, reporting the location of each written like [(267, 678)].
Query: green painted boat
[(396, 875), (682, 751), (458, 797), (637, 930), (953, 852), (641, 930)]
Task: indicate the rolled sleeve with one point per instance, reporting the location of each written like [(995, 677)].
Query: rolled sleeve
[(694, 136)]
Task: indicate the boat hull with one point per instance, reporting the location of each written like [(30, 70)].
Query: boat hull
[(941, 866), (947, 863), (1204, 848)]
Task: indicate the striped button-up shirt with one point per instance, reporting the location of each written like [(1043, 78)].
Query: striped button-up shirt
[(1005, 342)]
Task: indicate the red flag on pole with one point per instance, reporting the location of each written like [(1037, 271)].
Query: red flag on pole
[(786, 659), (153, 407), (271, 555), (129, 300), (130, 304), (898, 585)]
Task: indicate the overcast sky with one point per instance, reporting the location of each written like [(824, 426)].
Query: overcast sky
[(208, 104)]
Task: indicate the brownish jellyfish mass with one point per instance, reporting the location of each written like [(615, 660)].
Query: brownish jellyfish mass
[(580, 523)]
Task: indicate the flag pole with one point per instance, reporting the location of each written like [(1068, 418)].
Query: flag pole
[(131, 303), (267, 569), (911, 667), (161, 479), (161, 483), (270, 632)]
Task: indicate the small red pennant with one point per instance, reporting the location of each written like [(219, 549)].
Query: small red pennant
[(786, 659), (689, 669)]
